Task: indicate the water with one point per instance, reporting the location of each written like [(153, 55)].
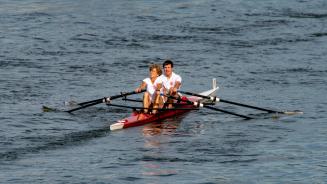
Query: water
[(266, 53)]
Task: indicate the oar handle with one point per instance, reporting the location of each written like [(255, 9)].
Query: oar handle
[(196, 104)]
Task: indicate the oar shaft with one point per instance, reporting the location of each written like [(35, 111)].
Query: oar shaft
[(84, 106), (92, 101), (210, 107), (228, 112), (111, 98), (231, 102), (125, 94), (159, 109), (249, 106), (100, 100)]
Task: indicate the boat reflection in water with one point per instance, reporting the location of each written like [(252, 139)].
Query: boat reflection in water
[(167, 127), (156, 157)]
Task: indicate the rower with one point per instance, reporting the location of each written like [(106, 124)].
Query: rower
[(149, 85), (168, 84)]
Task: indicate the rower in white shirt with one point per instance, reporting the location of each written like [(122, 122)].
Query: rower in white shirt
[(150, 85), (167, 83)]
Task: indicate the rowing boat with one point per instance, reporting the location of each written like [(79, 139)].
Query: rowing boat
[(138, 118), (184, 104)]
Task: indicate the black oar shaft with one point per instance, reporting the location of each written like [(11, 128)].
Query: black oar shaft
[(124, 94), (228, 112), (111, 98), (100, 100), (92, 101), (231, 102), (84, 106), (210, 107), (159, 109), (249, 106)]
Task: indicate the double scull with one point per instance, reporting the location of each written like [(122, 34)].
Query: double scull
[(138, 118)]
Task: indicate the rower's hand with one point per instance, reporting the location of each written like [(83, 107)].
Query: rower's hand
[(173, 91), (138, 90)]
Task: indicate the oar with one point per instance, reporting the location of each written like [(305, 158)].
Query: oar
[(113, 97), (209, 107), (227, 112), (159, 109), (240, 104), (101, 100)]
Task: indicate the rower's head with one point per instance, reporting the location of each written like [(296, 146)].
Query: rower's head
[(155, 70), (168, 67)]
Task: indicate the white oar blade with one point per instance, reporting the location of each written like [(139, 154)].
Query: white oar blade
[(293, 112)]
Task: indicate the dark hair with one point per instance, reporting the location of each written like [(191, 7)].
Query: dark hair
[(168, 62)]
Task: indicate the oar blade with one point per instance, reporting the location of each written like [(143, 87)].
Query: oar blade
[(292, 112), (49, 109)]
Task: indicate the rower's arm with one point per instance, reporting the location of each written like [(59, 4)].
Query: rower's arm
[(158, 87), (177, 85), (142, 86), (174, 89)]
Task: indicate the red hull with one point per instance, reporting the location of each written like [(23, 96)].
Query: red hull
[(138, 119)]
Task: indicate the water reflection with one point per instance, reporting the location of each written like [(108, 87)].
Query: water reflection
[(156, 137), (167, 127)]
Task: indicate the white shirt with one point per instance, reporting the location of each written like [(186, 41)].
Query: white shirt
[(150, 87), (168, 83)]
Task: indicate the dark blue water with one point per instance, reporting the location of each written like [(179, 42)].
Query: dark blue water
[(266, 53)]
